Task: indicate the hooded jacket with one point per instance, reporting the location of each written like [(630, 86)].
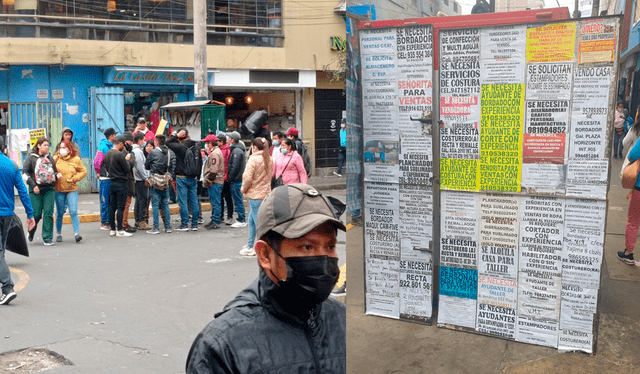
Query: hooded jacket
[(75, 145), (140, 171), (156, 161), (254, 334), (72, 172), (180, 150), (28, 171), (237, 162), (226, 152), (101, 153), (256, 179)]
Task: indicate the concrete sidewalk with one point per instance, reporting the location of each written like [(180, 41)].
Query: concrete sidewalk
[(382, 345), (89, 204)]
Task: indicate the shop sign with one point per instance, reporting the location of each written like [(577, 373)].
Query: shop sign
[(120, 76)]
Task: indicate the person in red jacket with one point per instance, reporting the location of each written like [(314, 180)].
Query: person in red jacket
[(226, 187), (142, 127)]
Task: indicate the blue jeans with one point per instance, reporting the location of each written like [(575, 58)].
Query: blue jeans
[(66, 200), (188, 193), (237, 200), (254, 205), (160, 197), (5, 276), (215, 195), (617, 144), (104, 201)]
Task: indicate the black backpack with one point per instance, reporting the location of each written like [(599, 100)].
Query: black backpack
[(191, 162), (304, 153)]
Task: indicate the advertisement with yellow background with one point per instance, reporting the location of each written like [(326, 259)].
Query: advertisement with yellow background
[(552, 42)]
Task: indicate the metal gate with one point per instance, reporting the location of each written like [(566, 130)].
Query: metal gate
[(330, 105), (106, 109), (40, 115)]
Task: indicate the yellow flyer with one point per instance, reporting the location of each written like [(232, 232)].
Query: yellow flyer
[(459, 174), (36, 134), (552, 42), (501, 123)]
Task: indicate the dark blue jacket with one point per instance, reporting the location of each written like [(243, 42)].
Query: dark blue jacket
[(253, 334)]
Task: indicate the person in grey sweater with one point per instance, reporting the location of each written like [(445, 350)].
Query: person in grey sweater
[(141, 174)]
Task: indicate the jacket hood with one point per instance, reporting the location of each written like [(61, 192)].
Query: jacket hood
[(238, 145), (65, 129), (105, 142)]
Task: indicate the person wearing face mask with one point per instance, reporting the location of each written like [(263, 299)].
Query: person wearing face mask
[(213, 179), (276, 142), (284, 322), (72, 171), (343, 147), (289, 165)]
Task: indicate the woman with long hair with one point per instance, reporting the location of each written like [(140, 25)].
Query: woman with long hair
[(72, 171), (148, 147), (256, 185), (289, 164), (39, 173)]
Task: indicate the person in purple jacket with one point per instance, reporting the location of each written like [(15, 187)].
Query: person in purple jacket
[(10, 177)]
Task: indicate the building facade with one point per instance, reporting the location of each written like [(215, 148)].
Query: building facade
[(90, 66)]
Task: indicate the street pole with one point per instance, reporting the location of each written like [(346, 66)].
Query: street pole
[(201, 87), (576, 12)]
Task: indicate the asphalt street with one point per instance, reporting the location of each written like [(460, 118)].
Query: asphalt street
[(125, 305)]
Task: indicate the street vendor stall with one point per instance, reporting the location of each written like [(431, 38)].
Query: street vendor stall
[(199, 117)]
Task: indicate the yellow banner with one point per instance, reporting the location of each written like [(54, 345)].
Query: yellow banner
[(552, 42), (459, 174), (36, 134), (501, 123)]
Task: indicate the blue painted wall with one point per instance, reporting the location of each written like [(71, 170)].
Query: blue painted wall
[(634, 36), (4, 83)]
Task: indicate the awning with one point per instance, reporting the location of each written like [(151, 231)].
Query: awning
[(191, 104)]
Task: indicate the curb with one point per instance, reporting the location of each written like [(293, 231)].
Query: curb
[(95, 217)]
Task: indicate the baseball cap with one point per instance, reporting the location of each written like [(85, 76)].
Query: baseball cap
[(235, 135), (108, 132), (210, 138), (292, 131), (294, 210), (142, 119), (128, 135), (222, 137)]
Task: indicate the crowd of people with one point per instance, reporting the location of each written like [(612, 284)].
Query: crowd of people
[(145, 167)]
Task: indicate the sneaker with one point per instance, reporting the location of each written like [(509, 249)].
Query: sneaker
[(153, 232), (49, 243), (201, 221), (229, 221), (340, 290), (183, 228), (59, 238), (78, 238), (7, 296), (112, 233), (31, 234), (104, 226), (130, 229), (177, 219), (123, 234), (167, 230), (626, 258), (338, 174), (144, 226), (211, 226), (239, 224), (194, 228), (247, 252)]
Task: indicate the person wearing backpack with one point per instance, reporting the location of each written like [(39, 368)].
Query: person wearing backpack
[(72, 171), (237, 163), (188, 167), (292, 134), (39, 172)]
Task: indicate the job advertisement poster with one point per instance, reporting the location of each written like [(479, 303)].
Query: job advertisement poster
[(415, 290), (497, 306), (502, 54), (381, 215), (588, 178), (459, 229), (597, 41), (499, 233), (537, 331), (578, 310), (549, 81), (458, 295), (383, 287)]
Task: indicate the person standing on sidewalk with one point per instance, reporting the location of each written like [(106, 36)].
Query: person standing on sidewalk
[(141, 127), (214, 179), (119, 167), (188, 167), (9, 178), (289, 165), (256, 185), (237, 163), (141, 208), (40, 173), (105, 182), (285, 320), (226, 198), (72, 171), (160, 161), (618, 130), (633, 214), (131, 182), (343, 147)]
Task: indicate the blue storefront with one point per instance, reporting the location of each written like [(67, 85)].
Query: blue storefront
[(86, 99)]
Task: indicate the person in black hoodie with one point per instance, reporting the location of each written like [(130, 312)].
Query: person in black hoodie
[(186, 177), (237, 162), (119, 167), (159, 161)]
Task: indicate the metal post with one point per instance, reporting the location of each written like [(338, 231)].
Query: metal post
[(201, 88)]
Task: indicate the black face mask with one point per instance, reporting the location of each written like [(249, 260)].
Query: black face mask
[(310, 280)]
